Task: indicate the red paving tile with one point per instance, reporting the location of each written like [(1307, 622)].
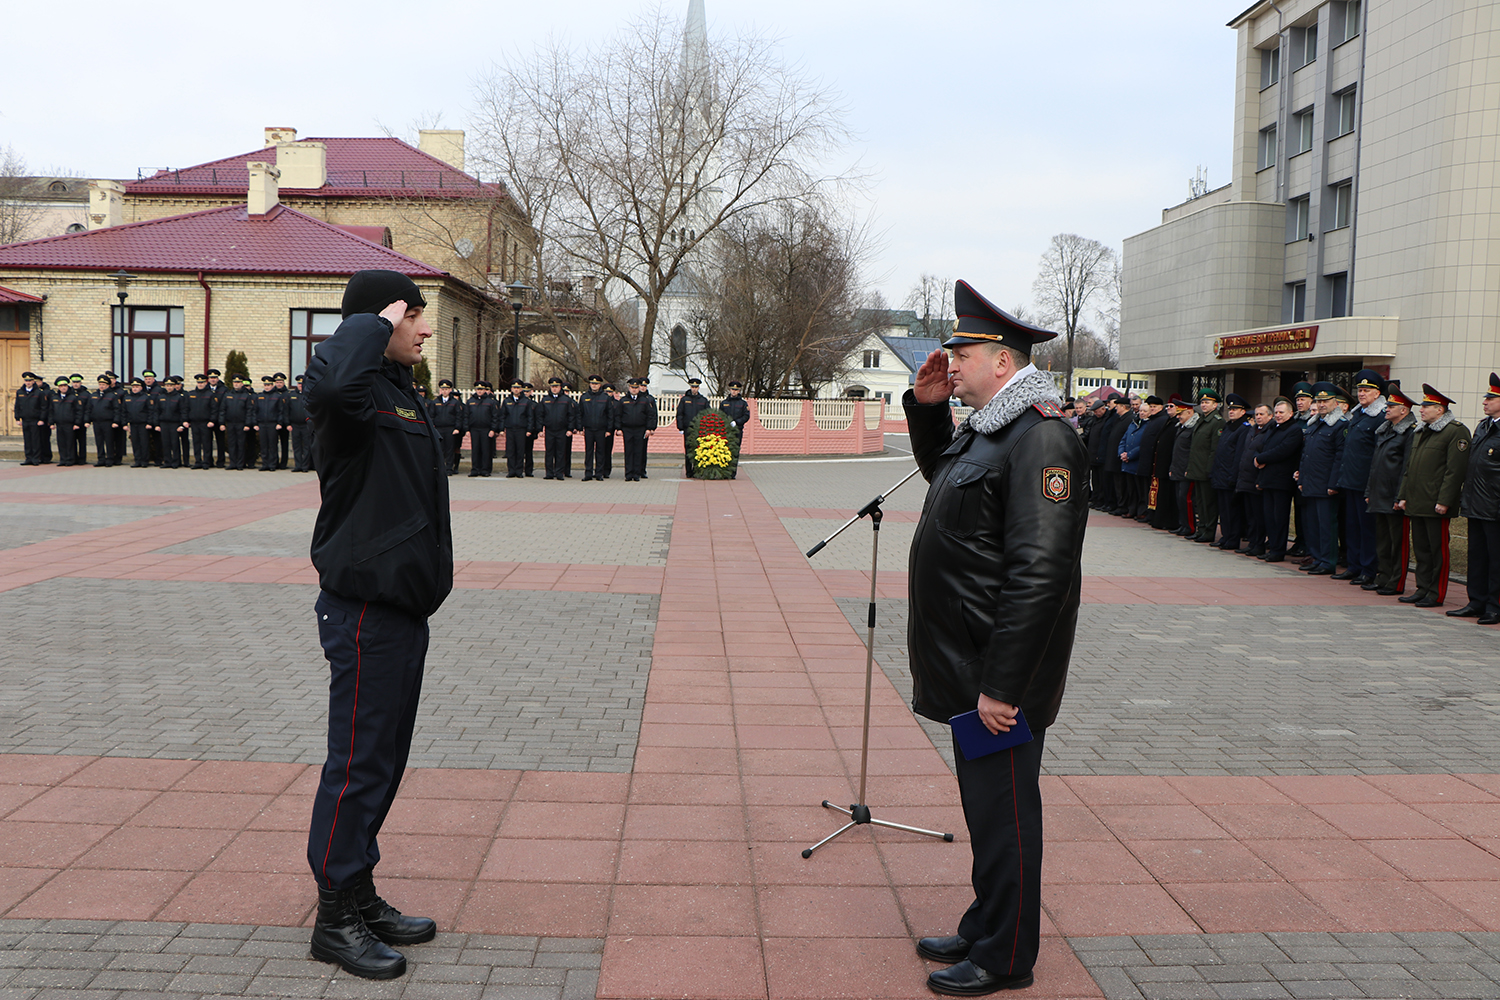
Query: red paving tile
[(102, 894), (551, 861), (1372, 905), (684, 910), (704, 968), (1242, 907), (18, 883), (1101, 910), (158, 848), (535, 908), (814, 969), (244, 898)]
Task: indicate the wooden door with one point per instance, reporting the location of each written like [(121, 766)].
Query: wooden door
[(15, 358)]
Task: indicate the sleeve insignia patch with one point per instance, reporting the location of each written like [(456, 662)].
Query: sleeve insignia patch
[(1057, 484), (1463, 446), (1047, 408)]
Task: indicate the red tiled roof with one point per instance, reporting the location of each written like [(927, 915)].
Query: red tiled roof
[(375, 234), (357, 168), (221, 241), (9, 295)]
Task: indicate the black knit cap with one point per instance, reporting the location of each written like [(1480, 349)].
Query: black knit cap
[(372, 291)]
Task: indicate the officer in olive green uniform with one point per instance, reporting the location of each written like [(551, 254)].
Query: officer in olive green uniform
[(1430, 492), (1205, 441)]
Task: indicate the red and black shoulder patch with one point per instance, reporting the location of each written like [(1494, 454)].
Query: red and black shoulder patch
[(1047, 408), (1057, 484)]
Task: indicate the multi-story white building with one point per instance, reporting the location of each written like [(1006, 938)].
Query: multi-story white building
[(1361, 224)]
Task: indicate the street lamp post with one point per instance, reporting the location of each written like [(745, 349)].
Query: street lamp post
[(122, 281), (517, 290)]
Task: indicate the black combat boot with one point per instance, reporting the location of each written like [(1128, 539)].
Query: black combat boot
[(384, 920), (340, 936)]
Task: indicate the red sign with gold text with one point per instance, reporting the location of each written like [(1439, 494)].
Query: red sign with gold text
[(1254, 345)]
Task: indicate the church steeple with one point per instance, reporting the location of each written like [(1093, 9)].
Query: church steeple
[(695, 41)]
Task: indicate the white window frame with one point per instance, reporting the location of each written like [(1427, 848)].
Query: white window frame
[(1268, 148), (1300, 212), (1270, 67), (1345, 107), (1302, 132), (1343, 204)]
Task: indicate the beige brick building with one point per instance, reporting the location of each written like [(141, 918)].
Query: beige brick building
[(258, 277), (1359, 227)]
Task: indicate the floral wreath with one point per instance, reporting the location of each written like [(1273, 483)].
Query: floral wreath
[(714, 444)]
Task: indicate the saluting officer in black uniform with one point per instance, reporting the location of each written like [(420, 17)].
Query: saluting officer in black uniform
[(558, 417), (595, 417), (688, 407), (1481, 505), (448, 417), (31, 413), (515, 419), (139, 409), (296, 415), (737, 410), (270, 417), (482, 421), (638, 420), (105, 415)]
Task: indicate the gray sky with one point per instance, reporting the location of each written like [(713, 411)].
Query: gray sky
[(986, 127)]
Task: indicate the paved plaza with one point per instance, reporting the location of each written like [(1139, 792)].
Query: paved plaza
[(1261, 784)]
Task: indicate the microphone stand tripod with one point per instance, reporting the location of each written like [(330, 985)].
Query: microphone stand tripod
[(859, 812)]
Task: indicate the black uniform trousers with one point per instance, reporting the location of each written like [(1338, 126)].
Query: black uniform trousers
[(1002, 802), (1277, 510), (596, 445), (1231, 518), (1484, 564), (203, 452), (606, 465), (140, 445), (1299, 521), (1392, 550), (481, 453), (1360, 532), (1205, 509), (65, 451), (283, 443), (452, 439), (1322, 528), (267, 447), (104, 444), (1142, 494), (81, 444), (1185, 511), (119, 434), (531, 454), (559, 445), (237, 439), (375, 655), (1255, 521), (301, 446), (171, 446), (1103, 489), (635, 452), (220, 447), (687, 456), (1429, 546), (515, 452), (32, 438)]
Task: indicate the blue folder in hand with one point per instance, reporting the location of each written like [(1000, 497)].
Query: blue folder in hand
[(977, 741)]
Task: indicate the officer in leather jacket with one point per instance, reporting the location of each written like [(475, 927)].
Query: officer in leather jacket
[(994, 591), (1481, 505)]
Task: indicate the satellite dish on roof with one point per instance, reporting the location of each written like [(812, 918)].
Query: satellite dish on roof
[(464, 246)]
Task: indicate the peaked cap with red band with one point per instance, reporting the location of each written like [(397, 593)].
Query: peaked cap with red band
[(1395, 395), (1431, 397), (980, 321), (1494, 389)]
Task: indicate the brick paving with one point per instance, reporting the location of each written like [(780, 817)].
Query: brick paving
[(619, 763)]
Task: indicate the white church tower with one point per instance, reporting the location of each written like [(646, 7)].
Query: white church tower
[(675, 357)]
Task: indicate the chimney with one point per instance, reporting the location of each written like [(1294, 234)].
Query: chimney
[(276, 136), (263, 188), (106, 204), (447, 144), (303, 165)]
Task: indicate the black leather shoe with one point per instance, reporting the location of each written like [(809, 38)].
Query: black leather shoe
[(948, 950), (341, 936), (1412, 598), (1428, 603), (1271, 559), (1490, 618), (1370, 584), (1470, 610), (1320, 571), (1347, 574), (968, 980), (1362, 580), (1387, 591), (385, 921)]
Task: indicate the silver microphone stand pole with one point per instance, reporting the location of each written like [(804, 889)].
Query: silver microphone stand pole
[(859, 812)]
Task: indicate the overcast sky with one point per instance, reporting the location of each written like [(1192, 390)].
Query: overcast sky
[(986, 126)]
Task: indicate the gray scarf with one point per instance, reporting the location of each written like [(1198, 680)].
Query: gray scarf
[(1026, 389), (1438, 424)]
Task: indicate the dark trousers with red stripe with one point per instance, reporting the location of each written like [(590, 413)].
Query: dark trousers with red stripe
[(375, 654), (1429, 548), (1392, 550), (1002, 801)]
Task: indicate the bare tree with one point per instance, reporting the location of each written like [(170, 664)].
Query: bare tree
[(626, 158), (931, 298), (785, 307), (1076, 274), (19, 212)]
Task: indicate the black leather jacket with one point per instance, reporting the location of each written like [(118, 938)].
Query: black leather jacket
[(994, 574), (1481, 496)]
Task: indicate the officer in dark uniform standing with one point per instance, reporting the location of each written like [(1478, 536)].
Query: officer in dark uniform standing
[(515, 419), (236, 415), (30, 412), (139, 410), (1354, 476), (64, 416), (171, 420), (218, 440), (270, 417), (529, 391), (614, 419), (200, 405), (596, 420), (480, 418), (105, 415), (1387, 466), (689, 406), (296, 417), (380, 471), (638, 420), (447, 411), (284, 432), (1317, 478), (737, 409), (1430, 493), (1481, 505), (556, 416), (86, 414), (1000, 546)]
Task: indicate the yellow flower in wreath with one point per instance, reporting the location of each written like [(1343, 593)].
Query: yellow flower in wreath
[(713, 451)]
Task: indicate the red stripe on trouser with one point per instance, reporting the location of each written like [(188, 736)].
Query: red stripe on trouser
[(1442, 580), (1400, 581), (1190, 522), (349, 764), (1020, 863)]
